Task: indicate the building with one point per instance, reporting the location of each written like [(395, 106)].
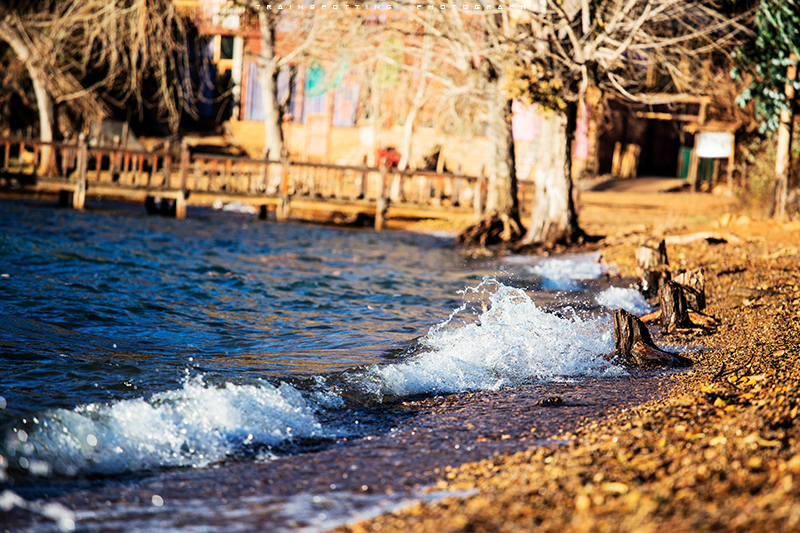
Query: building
[(330, 123)]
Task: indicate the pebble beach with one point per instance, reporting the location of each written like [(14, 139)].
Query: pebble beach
[(718, 451)]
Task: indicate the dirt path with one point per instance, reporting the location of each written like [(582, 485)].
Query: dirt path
[(616, 208), (648, 205)]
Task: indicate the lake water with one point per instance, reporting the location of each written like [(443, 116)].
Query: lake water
[(223, 373)]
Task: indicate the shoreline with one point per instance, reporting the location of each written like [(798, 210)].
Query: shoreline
[(719, 452)]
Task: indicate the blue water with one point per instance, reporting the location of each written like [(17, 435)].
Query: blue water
[(106, 305), (130, 343)]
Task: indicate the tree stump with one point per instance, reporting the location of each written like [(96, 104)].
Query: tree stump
[(634, 346), (680, 303), (651, 259), (674, 307), (693, 283), (495, 229)]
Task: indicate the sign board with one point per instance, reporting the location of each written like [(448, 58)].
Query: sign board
[(713, 144)]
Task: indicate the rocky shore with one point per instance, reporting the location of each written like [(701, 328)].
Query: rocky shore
[(719, 452)]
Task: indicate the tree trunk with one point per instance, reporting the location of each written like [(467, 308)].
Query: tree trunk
[(273, 142), (39, 80), (408, 135), (634, 346), (784, 147), (502, 184), (554, 216), (502, 204), (416, 105)]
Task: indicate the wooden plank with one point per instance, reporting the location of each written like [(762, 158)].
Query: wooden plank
[(668, 116)]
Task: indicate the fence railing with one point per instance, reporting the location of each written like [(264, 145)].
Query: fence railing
[(179, 174)]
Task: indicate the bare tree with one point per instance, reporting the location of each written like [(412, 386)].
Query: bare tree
[(289, 37), (96, 53), (467, 73), (416, 103), (562, 55), (577, 49)]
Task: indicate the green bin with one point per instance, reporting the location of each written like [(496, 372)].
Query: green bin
[(684, 157)]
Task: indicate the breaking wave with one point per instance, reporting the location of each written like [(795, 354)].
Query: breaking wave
[(508, 341), (196, 425)]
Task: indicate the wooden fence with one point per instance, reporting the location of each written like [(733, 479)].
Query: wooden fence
[(174, 177)]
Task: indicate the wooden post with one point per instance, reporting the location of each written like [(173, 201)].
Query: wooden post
[(714, 174), (66, 155), (477, 197), (180, 206), (784, 155), (339, 184), (52, 165), (731, 163), (380, 209), (353, 184), (20, 160), (114, 159), (150, 205), (167, 163), (651, 261), (126, 168), (364, 191), (315, 188), (140, 173), (38, 164), (180, 200), (616, 160), (282, 213), (437, 191), (395, 191), (79, 196), (457, 182), (185, 164), (694, 162)]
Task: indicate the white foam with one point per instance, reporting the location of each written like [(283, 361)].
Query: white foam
[(630, 300), (309, 513), (514, 342), (235, 207), (562, 274), (261, 511), (196, 425), (64, 518)]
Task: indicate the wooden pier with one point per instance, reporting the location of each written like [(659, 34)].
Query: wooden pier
[(168, 180)]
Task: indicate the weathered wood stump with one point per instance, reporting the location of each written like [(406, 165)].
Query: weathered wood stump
[(651, 259), (693, 282), (633, 345), (492, 230), (674, 307), (679, 307)]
